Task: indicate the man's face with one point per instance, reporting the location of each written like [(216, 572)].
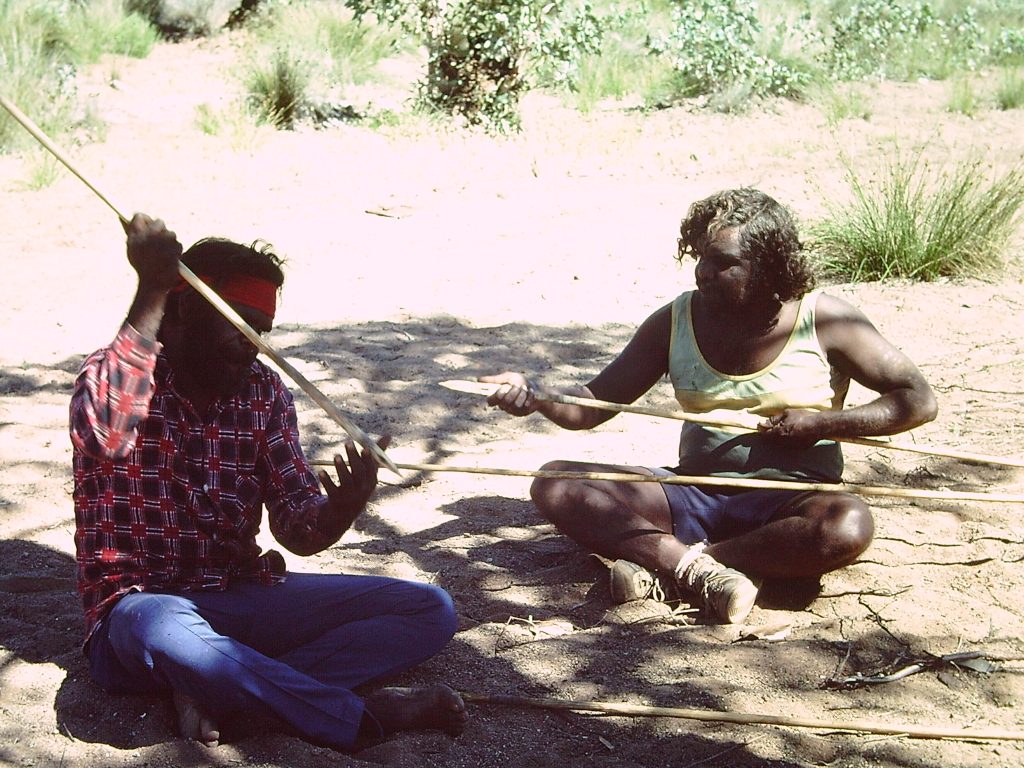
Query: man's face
[(725, 277), (214, 351)]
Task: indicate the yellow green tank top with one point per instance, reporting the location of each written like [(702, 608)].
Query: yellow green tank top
[(800, 377)]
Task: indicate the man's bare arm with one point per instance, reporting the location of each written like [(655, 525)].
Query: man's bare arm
[(855, 347), (636, 369)]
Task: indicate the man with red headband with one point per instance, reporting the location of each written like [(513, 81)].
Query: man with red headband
[(181, 438)]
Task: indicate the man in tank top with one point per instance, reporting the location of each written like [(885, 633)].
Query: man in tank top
[(752, 343)]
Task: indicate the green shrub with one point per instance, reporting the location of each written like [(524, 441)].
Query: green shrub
[(36, 73), (103, 26), (278, 88), (893, 40), (1009, 47), (347, 50), (474, 63), (719, 46), (479, 51), (921, 223), (841, 101), (477, 59), (42, 43), (963, 98), (1010, 91), (623, 66), (305, 56), (865, 37)]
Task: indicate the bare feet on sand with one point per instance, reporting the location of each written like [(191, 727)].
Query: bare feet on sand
[(194, 723), (407, 709)]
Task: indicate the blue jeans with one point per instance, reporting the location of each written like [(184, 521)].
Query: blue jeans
[(294, 650)]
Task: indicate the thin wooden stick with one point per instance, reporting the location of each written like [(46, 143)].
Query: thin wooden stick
[(744, 718), (222, 306), (723, 482), (749, 423)]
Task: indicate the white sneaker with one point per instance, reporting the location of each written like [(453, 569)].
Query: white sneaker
[(725, 592)]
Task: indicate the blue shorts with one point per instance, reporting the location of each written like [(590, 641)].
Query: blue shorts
[(706, 513)]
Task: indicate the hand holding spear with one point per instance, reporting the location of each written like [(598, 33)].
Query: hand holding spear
[(210, 295)]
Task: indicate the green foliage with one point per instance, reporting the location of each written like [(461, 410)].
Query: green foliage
[(1009, 47), (885, 39), (43, 42), (623, 66), (479, 50), (477, 58), (474, 63), (278, 88), (235, 122), (921, 223), (345, 49), (43, 170), (103, 26), (720, 47), (306, 54), (1010, 91), (864, 38), (963, 98), (841, 101), (35, 72)]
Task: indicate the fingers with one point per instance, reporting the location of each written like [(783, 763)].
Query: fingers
[(357, 471), (512, 397), (153, 251), (515, 395)]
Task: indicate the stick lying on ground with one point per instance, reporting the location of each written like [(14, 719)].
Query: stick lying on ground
[(723, 482), (748, 422), (743, 718), (970, 659), (222, 306)]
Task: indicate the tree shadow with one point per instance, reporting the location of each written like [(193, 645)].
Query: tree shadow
[(507, 569)]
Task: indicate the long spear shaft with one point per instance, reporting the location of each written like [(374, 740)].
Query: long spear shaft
[(722, 482), (744, 718), (222, 306), (749, 423)]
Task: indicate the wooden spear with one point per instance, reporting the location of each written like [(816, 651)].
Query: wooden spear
[(222, 306), (743, 718), (747, 422), (724, 482)]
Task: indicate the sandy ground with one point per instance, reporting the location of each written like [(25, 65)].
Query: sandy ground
[(539, 252)]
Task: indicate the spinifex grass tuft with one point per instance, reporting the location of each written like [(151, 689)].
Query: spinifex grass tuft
[(278, 88), (921, 223)]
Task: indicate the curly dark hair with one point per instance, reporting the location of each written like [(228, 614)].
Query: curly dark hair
[(218, 257), (767, 236)]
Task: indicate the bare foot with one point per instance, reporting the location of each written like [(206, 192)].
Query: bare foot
[(194, 723), (407, 709)]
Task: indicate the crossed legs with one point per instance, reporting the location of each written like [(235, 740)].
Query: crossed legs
[(811, 534), (295, 650)]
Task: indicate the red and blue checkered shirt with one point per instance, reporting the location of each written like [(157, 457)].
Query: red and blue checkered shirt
[(168, 500)]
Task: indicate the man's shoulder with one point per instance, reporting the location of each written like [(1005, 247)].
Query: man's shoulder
[(828, 306)]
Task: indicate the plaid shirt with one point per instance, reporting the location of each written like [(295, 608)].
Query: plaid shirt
[(166, 500)]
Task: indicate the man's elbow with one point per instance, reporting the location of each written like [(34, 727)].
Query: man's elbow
[(101, 447)]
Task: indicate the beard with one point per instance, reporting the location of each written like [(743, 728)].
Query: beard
[(218, 371)]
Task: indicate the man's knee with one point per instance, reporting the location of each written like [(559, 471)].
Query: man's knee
[(847, 528), (142, 629), (143, 622), (439, 604), (554, 497)]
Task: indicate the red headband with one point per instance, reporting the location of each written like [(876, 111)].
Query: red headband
[(254, 292)]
